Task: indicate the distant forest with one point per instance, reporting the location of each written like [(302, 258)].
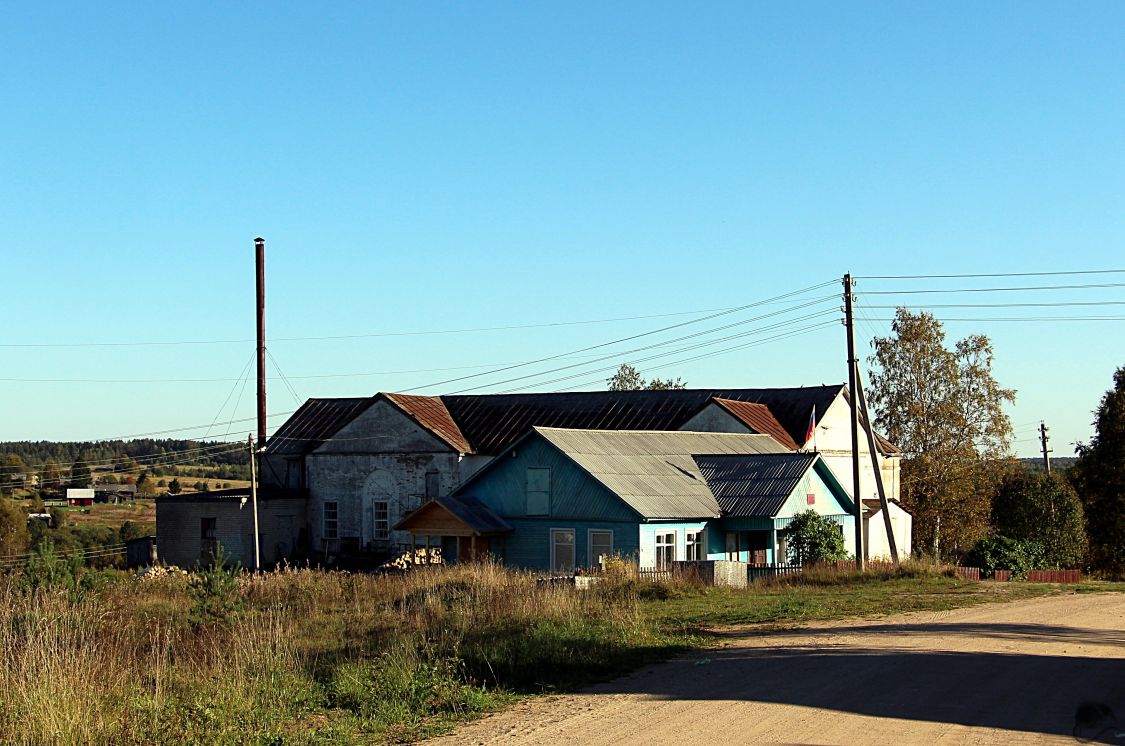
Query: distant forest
[(1058, 463), (223, 460)]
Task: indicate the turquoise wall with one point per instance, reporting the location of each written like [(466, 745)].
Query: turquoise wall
[(529, 545)]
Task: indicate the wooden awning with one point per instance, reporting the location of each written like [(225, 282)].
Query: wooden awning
[(454, 516)]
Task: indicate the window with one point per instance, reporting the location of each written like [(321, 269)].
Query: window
[(382, 520), (694, 546), (562, 549), (601, 545), (665, 549), (538, 490), (208, 539), (331, 522), (433, 484)]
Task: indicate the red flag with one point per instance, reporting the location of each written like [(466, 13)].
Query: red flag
[(812, 426)]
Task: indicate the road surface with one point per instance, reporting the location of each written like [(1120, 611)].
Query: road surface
[(994, 674)]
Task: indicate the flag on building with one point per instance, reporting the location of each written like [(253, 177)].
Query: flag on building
[(810, 434)]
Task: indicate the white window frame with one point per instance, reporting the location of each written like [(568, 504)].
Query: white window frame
[(590, 543), (334, 521), (383, 533), (574, 549), (700, 545), (657, 546)]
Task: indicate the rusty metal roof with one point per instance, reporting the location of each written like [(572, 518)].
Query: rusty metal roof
[(655, 472), (492, 422), (489, 423), (430, 413), (751, 486), (315, 422), (758, 418)]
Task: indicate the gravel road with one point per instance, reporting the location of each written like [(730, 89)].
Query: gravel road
[(994, 674)]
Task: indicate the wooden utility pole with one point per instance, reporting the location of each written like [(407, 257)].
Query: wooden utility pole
[(1044, 438), (871, 447), (853, 371), (254, 500), (260, 266)]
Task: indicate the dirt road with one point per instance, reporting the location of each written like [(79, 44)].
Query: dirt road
[(999, 673)]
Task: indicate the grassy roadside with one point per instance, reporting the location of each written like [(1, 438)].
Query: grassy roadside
[(310, 657)]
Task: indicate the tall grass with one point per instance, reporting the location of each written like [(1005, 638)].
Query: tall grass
[(303, 657)]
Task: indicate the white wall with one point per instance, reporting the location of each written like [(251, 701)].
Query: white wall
[(875, 533), (834, 442)]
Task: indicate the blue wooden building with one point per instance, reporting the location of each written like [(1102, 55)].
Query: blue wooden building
[(559, 499)]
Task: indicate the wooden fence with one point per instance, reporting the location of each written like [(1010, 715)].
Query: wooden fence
[(1054, 576), (969, 573), (756, 572)]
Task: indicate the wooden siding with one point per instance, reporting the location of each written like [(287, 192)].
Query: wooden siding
[(574, 493), (529, 545)]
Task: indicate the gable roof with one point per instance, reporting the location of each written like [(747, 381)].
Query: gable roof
[(755, 485), (430, 413), (758, 418), (654, 472), (490, 423), (314, 422), (477, 517)]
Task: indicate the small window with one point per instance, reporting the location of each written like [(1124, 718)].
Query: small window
[(208, 539), (665, 549), (433, 484), (331, 520), (382, 520), (694, 546), (562, 549), (601, 545), (538, 491)]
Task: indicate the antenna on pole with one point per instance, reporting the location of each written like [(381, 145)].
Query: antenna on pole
[(853, 370)]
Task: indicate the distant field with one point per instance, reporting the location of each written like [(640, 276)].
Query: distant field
[(112, 516)]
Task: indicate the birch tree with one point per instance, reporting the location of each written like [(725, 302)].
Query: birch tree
[(945, 410)]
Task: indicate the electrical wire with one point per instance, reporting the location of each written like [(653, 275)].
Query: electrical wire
[(992, 274)]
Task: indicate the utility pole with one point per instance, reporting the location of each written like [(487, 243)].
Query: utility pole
[(853, 371), (1044, 438), (871, 447), (260, 266), (254, 500)]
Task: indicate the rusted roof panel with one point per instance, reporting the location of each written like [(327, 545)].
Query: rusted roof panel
[(758, 418), (492, 422), (430, 413)]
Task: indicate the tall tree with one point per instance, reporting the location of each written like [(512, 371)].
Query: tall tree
[(1099, 476), (50, 478), (12, 471), (80, 475), (944, 409), (628, 378), (1032, 505), (14, 535)]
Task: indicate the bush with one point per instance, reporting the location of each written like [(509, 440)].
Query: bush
[(996, 552), (214, 591), (813, 538)]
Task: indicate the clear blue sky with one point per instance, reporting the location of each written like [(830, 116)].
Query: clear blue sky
[(442, 166)]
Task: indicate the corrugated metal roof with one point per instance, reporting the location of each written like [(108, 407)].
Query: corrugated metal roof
[(758, 418), (654, 472), (492, 422), (754, 485), (430, 413), (316, 421)]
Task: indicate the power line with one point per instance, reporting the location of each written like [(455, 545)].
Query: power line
[(995, 290), (1014, 318), (1010, 305), (993, 274)]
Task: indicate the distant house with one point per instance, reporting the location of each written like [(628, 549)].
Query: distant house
[(560, 499), (80, 496), (115, 493), (190, 528)]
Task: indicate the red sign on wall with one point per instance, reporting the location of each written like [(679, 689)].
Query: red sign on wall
[(811, 498)]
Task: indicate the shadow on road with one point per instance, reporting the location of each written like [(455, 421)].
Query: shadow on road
[(1031, 693)]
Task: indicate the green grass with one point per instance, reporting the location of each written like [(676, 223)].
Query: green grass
[(310, 657)]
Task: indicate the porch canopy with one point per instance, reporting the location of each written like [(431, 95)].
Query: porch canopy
[(459, 518)]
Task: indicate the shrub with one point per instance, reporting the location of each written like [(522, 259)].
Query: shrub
[(996, 552), (214, 591), (813, 538)]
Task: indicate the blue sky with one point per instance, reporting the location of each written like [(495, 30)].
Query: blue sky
[(421, 167)]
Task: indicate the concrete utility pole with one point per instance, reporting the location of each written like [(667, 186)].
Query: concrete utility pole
[(254, 500), (853, 374), (1044, 438)]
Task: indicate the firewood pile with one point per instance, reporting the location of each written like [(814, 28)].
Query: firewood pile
[(159, 571), (419, 556)]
